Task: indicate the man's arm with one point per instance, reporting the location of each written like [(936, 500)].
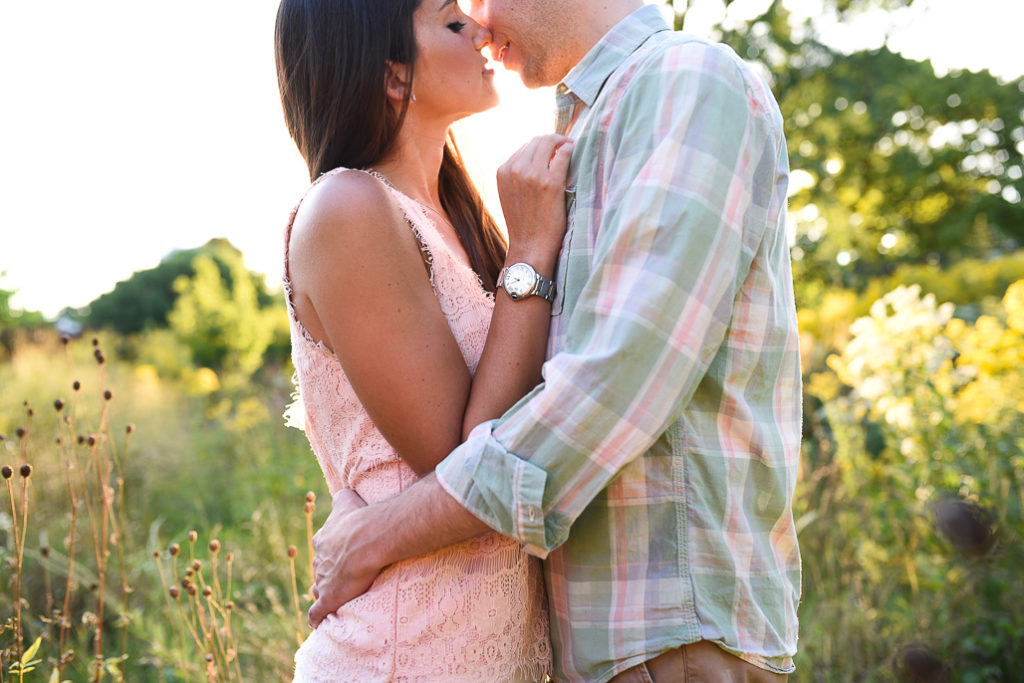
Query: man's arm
[(357, 540)]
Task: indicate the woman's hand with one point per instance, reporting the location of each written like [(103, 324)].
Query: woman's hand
[(531, 185)]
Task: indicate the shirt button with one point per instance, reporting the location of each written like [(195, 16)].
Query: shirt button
[(533, 514)]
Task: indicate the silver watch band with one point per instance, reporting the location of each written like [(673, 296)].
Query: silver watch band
[(544, 288)]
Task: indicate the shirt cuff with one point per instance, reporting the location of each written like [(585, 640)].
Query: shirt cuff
[(498, 487)]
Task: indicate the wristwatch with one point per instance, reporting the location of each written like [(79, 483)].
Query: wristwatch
[(520, 280)]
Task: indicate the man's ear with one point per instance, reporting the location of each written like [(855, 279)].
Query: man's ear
[(397, 80)]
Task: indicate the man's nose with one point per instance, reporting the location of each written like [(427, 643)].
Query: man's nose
[(477, 9)]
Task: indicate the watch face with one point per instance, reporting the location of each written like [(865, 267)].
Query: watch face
[(519, 280)]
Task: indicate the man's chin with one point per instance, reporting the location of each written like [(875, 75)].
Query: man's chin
[(535, 82)]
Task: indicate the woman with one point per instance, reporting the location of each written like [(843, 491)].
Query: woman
[(391, 274)]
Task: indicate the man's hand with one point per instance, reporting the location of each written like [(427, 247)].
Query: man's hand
[(357, 540), (342, 571)]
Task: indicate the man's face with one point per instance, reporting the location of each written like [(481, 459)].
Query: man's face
[(531, 37)]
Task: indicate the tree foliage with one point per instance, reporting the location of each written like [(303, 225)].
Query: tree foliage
[(12, 320), (144, 300), (220, 318), (892, 164)]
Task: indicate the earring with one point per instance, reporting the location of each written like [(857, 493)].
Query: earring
[(413, 97)]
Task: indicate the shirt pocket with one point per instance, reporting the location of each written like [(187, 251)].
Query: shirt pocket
[(561, 275)]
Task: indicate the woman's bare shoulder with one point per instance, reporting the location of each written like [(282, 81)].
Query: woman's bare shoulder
[(344, 206)]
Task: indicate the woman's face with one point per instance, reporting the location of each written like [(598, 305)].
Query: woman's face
[(451, 77)]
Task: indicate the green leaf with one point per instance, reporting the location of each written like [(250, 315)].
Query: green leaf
[(30, 652)]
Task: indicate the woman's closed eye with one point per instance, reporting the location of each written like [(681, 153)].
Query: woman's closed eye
[(456, 26)]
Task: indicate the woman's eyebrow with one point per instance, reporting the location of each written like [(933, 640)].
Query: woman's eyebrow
[(445, 3)]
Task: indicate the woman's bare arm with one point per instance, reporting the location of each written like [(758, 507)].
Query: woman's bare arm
[(361, 288)]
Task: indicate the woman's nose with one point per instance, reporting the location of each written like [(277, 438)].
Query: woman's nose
[(481, 36)]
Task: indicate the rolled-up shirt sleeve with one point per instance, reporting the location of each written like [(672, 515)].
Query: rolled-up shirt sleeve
[(673, 244)]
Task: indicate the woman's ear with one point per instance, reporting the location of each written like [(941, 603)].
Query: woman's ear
[(397, 80)]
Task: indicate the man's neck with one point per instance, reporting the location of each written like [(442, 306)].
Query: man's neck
[(599, 18)]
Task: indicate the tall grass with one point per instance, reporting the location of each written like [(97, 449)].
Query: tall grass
[(121, 467)]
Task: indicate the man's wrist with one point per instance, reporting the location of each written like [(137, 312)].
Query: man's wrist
[(366, 539)]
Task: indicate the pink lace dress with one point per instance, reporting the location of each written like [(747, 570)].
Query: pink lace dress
[(475, 611)]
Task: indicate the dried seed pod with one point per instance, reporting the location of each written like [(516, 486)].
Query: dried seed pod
[(7, 472), (310, 497), (214, 545), (292, 551), (197, 565), (174, 592), (21, 432), (108, 394), (26, 471), (967, 525), (207, 591), (192, 536), (917, 662), (129, 429), (59, 405), (77, 385), (174, 549)]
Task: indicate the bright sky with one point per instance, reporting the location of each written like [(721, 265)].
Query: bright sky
[(130, 129)]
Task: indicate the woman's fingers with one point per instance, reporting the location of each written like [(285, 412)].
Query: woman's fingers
[(559, 163), (531, 186)]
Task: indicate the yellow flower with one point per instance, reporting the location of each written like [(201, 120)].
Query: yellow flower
[(1014, 304)]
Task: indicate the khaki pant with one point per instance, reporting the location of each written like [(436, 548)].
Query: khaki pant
[(700, 662)]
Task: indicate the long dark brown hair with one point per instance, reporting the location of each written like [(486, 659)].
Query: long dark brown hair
[(332, 69)]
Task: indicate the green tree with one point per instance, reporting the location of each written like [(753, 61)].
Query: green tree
[(892, 163), (220, 318), (12, 320), (144, 300), (5, 304)]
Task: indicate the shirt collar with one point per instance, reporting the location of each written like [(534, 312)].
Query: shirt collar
[(586, 79)]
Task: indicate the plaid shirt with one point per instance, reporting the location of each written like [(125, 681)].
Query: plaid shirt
[(654, 467)]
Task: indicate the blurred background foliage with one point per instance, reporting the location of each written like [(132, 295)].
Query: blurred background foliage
[(906, 224)]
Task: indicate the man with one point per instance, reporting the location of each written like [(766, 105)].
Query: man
[(654, 467)]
